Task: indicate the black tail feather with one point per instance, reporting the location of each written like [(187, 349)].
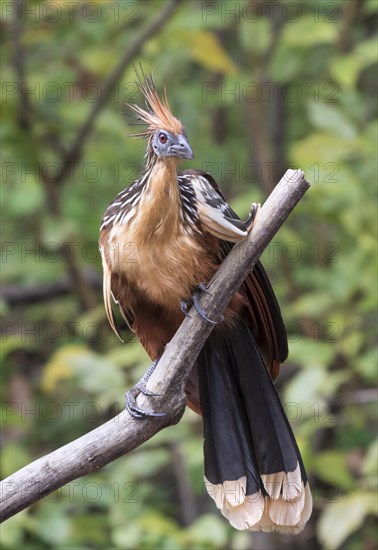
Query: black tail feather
[(253, 468)]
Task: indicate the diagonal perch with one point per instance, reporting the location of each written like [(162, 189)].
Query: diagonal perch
[(123, 433)]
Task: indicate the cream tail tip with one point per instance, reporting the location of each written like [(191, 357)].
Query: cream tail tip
[(257, 512)]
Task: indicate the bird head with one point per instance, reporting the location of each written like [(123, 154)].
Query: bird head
[(168, 144), (165, 134)]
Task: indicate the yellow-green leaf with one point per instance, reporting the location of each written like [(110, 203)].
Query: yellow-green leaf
[(206, 49), (59, 367), (342, 518)]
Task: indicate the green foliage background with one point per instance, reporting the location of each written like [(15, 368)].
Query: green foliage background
[(259, 89)]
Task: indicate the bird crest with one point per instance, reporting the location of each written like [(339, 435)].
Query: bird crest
[(157, 114)]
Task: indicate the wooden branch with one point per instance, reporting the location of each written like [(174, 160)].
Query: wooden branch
[(123, 433)]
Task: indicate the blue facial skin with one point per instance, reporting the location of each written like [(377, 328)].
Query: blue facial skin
[(168, 145)]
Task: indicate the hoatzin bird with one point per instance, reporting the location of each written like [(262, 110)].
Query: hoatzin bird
[(181, 228)]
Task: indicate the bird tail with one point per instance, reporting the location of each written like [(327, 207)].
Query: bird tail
[(253, 467)]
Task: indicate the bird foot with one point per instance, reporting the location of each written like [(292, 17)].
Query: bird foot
[(203, 288), (184, 306), (195, 301), (253, 215), (131, 395)]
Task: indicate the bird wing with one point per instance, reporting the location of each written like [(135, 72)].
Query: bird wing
[(218, 218), (215, 215), (109, 292)]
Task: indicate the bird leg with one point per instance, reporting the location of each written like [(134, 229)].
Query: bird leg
[(195, 301), (131, 395)]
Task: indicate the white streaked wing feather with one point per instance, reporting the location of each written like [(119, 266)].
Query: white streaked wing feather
[(107, 293), (212, 211), (213, 220)]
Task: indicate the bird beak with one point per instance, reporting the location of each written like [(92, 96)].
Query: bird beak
[(181, 148)]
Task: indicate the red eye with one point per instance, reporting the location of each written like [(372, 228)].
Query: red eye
[(163, 138)]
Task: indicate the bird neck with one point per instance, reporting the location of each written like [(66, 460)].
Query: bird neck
[(162, 181), (160, 203)]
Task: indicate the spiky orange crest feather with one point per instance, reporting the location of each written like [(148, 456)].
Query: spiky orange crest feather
[(158, 115)]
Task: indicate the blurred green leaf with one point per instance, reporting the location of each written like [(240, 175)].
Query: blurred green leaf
[(208, 531), (369, 467), (325, 117), (139, 464), (13, 457), (255, 38), (341, 519), (305, 34), (12, 531), (206, 49), (312, 354), (321, 147), (128, 537), (331, 466), (286, 63), (366, 365), (345, 70), (51, 524)]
